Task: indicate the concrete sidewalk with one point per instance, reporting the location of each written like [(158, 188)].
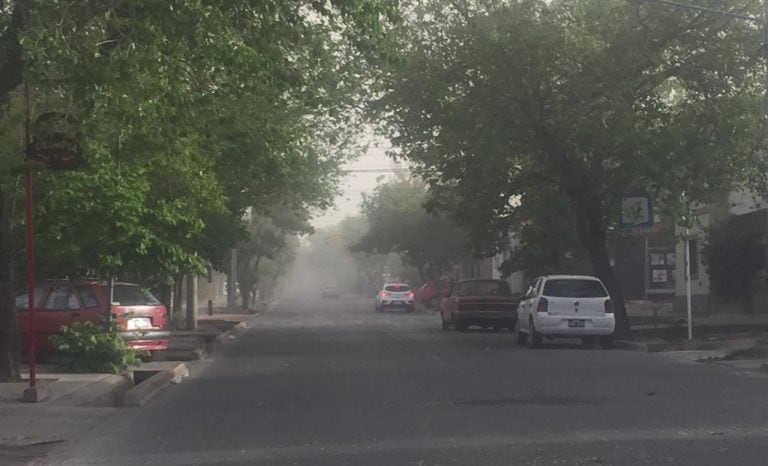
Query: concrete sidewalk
[(75, 403), (644, 314)]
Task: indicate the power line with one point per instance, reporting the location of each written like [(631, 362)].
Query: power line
[(375, 170), (707, 9)]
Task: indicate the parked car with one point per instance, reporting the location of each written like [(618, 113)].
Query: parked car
[(143, 319), (330, 291), (432, 292), (486, 303), (395, 295), (566, 306)]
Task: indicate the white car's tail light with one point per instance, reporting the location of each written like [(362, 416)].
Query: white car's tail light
[(608, 306), (543, 305)]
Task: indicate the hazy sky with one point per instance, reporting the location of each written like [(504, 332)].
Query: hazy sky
[(361, 177)]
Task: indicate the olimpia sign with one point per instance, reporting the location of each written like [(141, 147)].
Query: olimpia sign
[(56, 141)]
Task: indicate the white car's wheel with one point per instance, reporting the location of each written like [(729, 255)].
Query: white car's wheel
[(534, 336), (520, 337), (606, 341), (446, 325)]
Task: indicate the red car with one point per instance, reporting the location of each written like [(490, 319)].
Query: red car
[(432, 292), (486, 303), (143, 319)]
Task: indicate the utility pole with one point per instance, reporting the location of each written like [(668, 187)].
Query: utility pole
[(192, 301), (232, 281), (765, 53), (689, 310)]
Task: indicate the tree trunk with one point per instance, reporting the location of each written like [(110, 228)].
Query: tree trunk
[(11, 74), (178, 290), (593, 234), (165, 293), (10, 351), (245, 294), (192, 301), (247, 279)]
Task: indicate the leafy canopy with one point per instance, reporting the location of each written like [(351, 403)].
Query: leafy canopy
[(505, 103), (398, 222), (192, 113)]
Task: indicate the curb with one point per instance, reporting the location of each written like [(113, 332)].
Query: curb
[(197, 354), (702, 328), (103, 393), (146, 389), (230, 334), (648, 347)]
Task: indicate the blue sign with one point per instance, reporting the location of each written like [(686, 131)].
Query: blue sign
[(636, 211)]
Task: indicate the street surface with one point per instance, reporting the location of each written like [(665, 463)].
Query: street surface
[(333, 383)]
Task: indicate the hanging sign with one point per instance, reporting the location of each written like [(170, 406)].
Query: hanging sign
[(55, 141)]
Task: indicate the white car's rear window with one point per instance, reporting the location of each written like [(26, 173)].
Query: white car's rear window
[(574, 288), (397, 288), (132, 295)]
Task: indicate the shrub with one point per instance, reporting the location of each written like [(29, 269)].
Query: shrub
[(95, 348), (732, 259)]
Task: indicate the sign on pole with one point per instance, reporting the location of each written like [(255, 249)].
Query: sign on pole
[(636, 211), (55, 142)]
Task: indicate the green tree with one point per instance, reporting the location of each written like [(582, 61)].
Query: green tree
[(181, 103), (259, 257), (398, 222), (503, 104)]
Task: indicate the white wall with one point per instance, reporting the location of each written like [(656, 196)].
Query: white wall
[(743, 202), (700, 284)]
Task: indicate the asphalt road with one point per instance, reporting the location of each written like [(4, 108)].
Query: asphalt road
[(333, 383)]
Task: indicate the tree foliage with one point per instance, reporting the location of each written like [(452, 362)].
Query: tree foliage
[(192, 113), (398, 222), (733, 257), (268, 250), (568, 105), (332, 259)]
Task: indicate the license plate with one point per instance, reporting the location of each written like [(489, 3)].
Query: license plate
[(138, 323), (575, 323)]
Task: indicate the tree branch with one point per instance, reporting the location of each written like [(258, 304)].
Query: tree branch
[(12, 69)]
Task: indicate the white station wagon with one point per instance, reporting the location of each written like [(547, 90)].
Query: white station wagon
[(566, 306)]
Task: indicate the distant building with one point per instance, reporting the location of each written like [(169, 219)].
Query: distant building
[(644, 260), (746, 210)]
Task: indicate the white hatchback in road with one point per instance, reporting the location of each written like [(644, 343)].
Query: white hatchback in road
[(395, 295), (566, 306)]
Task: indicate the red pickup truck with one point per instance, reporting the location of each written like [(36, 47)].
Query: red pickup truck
[(485, 303)]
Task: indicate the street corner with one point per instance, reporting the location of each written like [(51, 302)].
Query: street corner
[(653, 346), (197, 344), (150, 379), (749, 357), (231, 326), (742, 353), (27, 449)]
